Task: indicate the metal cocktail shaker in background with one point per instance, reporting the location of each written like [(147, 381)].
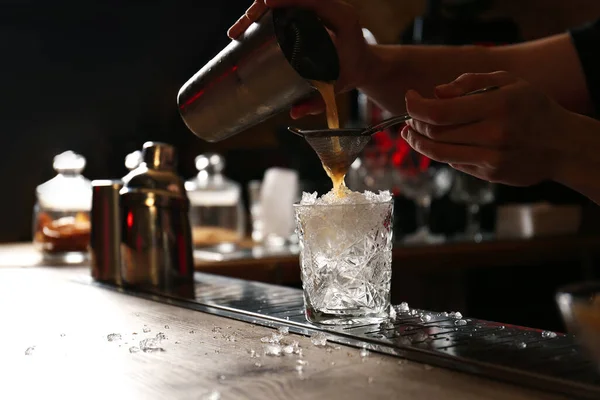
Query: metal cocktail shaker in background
[(263, 73)]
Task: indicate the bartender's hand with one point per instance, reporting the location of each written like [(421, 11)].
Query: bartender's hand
[(342, 21), (513, 135)]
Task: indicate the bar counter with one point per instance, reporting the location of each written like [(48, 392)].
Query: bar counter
[(64, 326)]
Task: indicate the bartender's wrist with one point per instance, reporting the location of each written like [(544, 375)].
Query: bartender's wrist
[(376, 68)]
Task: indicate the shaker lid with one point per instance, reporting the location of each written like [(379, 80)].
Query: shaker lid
[(159, 156), (212, 163), (156, 175)]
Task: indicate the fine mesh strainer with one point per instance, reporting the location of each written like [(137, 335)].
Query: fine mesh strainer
[(338, 148)]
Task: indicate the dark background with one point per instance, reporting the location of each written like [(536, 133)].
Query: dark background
[(98, 78)]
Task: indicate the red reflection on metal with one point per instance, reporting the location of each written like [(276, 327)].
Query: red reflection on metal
[(129, 219), (199, 94)]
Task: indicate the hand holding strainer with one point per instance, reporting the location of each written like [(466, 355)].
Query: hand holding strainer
[(338, 148)]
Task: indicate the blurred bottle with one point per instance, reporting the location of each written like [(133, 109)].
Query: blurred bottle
[(61, 229), (216, 207)]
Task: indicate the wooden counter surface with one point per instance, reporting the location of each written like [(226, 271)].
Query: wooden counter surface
[(67, 324)]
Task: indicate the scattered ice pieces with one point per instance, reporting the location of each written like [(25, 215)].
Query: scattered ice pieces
[(214, 395), (167, 327), (222, 378), (137, 314), (364, 353), (134, 349), (62, 335), (257, 364), (192, 332), (332, 363), (392, 313), (230, 338), (456, 315), (283, 330), (301, 362), (522, 345), (426, 317), (275, 338), (370, 380), (549, 335), (161, 336), (299, 369), (403, 307), (150, 345), (289, 349), (113, 337), (319, 339), (216, 329), (427, 367), (146, 330), (273, 350), (460, 322), (29, 351)]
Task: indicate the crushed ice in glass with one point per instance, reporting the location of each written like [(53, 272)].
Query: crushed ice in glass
[(460, 322), (113, 337), (403, 307), (29, 351), (549, 335)]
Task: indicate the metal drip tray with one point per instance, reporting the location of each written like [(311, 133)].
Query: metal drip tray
[(529, 357)]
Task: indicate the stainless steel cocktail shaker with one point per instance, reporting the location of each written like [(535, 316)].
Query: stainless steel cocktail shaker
[(263, 73)]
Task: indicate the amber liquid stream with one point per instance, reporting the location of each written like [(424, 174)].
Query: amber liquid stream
[(327, 91)]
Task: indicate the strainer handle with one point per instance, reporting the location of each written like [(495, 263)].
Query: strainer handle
[(386, 123)]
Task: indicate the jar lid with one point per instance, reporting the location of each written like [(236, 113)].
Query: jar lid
[(212, 163), (69, 190), (69, 162)]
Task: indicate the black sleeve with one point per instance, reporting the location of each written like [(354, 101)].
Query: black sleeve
[(586, 40)]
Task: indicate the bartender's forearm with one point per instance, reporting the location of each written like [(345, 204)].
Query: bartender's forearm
[(551, 64), (579, 168)]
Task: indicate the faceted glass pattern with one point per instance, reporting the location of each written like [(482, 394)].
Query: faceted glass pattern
[(346, 261)]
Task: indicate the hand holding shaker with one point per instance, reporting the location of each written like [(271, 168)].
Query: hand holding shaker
[(263, 73)]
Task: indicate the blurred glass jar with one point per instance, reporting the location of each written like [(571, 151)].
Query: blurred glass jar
[(61, 222), (216, 206)]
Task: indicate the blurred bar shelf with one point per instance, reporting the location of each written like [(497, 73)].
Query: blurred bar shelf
[(281, 265)]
